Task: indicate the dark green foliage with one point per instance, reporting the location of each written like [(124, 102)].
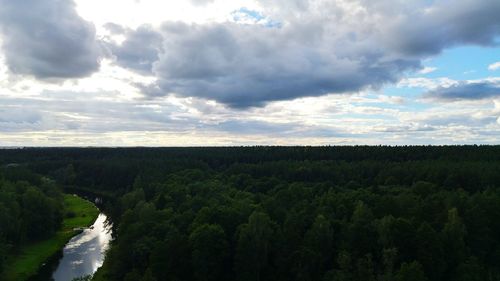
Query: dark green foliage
[(252, 250), (210, 252), (41, 216), (430, 251), (411, 272), (282, 213), (3, 253), (470, 270), (30, 209)]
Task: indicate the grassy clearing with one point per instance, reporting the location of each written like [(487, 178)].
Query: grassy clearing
[(31, 257)]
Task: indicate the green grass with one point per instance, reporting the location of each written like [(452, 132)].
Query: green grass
[(32, 256), (85, 212)]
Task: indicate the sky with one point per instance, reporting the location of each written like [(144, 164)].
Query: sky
[(249, 72)]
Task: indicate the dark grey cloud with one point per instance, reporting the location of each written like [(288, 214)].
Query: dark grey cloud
[(250, 65), (466, 91), (13, 118), (290, 129), (461, 120), (251, 127), (139, 50), (319, 47), (427, 30), (47, 39)]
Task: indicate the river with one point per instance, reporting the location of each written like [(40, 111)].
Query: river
[(82, 255)]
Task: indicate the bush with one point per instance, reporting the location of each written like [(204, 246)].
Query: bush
[(70, 214)]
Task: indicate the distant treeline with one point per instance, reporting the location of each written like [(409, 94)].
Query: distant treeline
[(291, 213)]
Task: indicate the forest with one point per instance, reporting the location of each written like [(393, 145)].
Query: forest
[(31, 209), (358, 213)]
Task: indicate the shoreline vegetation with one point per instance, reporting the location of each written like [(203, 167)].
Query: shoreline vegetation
[(78, 213)]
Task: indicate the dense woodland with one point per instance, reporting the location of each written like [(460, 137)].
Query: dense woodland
[(30, 209), (277, 213)]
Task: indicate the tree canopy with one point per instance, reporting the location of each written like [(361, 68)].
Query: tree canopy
[(277, 213)]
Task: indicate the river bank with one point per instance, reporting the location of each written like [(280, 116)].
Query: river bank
[(31, 257)]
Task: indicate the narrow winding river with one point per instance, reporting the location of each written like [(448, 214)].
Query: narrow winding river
[(82, 255)]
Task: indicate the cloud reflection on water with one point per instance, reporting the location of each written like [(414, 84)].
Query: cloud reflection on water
[(84, 253)]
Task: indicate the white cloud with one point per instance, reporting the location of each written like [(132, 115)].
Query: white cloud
[(426, 83), (68, 118), (494, 66), (427, 70)]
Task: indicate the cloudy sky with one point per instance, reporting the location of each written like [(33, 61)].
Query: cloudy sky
[(249, 72)]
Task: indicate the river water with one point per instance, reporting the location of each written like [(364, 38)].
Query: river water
[(84, 253)]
